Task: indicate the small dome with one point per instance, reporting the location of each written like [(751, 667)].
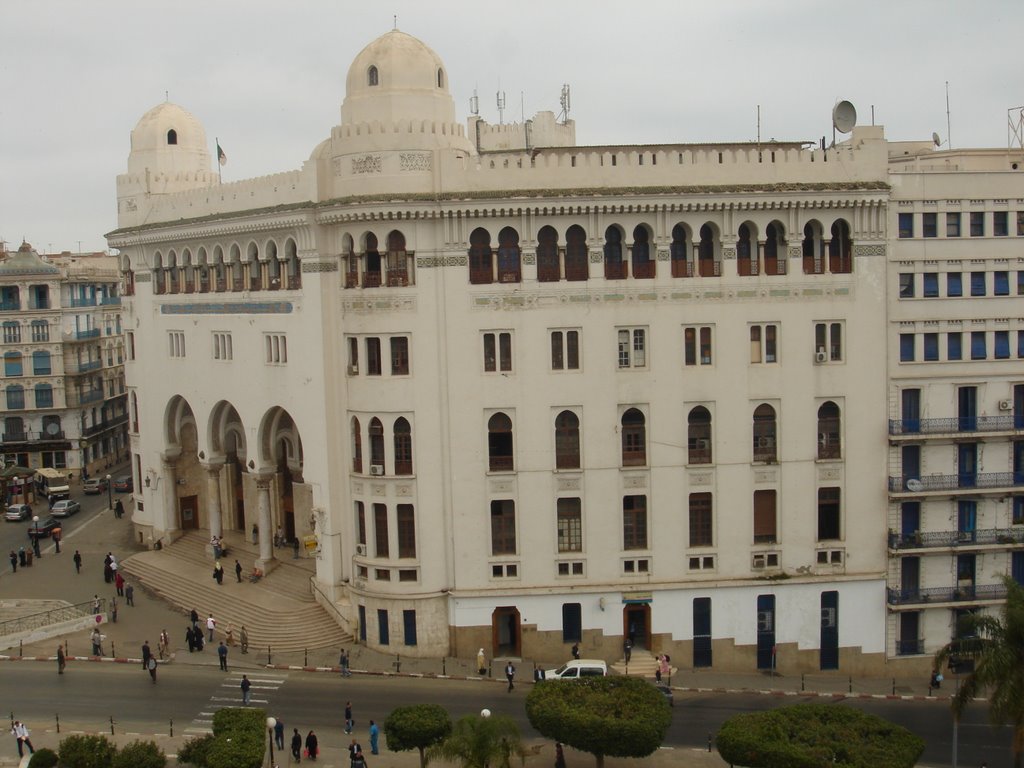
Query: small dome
[(168, 138), (397, 77)]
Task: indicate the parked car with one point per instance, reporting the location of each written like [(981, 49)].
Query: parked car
[(94, 485), (65, 508), (123, 484), (667, 693), (577, 668), (44, 528), (17, 512)]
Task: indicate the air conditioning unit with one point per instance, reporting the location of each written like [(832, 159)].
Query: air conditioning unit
[(353, 370), (765, 442), (757, 562), (376, 469), (360, 549), (1005, 405), (703, 443), (820, 356)]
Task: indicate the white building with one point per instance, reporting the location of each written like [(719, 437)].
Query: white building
[(524, 392), (63, 354)]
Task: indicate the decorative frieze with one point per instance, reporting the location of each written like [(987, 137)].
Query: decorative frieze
[(320, 266), (367, 164), (228, 308), (863, 249), (414, 161)]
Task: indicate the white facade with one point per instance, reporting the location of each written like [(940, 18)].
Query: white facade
[(524, 393)]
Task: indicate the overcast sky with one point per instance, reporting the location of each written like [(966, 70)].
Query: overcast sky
[(268, 77)]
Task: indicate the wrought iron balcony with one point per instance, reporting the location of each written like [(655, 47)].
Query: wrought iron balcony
[(929, 539), (956, 425), (959, 482), (110, 300), (909, 647), (946, 594), (91, 333)]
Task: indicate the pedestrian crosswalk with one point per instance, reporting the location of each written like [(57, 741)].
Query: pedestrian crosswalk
[(230, 695)]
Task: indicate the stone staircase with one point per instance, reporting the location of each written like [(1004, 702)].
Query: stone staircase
[(641, 664), (278, 611)]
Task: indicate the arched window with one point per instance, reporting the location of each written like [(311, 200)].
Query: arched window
[(829, 444), (15, 397), (643, 266), (481, 261), (813, 248), (509, 270), (567, 441), (398, 260), (372, 76), (44, 396), (840, 249), (376, 433), (634, 439), (172, 272), (576, 255), (775, 249), (764, 434), (237, 269), (709, 265), (14, 429), (294, 268), (403, 447), (371, 263), (548, 270), (499, 443), (203, 267), (41, 363), (698, 436), (679, 252), (614, 268), (273, 267), (746, 252), (357, 446), (255, 273), (12, 364), (440, 78), (172, 137), (348, 252)]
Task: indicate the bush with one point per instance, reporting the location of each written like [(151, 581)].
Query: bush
[(86, 752), (239, 719), (43, 758), (813, 735), (237, 750), (195, 751), (140, 754)]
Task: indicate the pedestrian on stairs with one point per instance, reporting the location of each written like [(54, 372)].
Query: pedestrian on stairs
[(238, 571), (243, 639), (211, 624)]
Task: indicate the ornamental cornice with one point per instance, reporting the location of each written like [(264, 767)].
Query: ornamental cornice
[(175, 235)]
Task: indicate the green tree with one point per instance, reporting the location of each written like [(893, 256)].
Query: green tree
[(996, 645), (481, 742), (43, 758), (615, 716), (86, 752), (140, 754), (195, 751), (417, 727), (815, 735)]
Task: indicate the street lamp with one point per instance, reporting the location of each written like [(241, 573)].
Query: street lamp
[(14, 494), (35, 539), (110, 494), (271, 722)]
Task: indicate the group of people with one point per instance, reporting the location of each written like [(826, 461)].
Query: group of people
[(109, 568), (312, 744)]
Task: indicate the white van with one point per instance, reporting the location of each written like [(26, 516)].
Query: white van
[(577, 668)]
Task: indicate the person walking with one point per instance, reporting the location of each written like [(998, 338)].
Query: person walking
[(129, 595), (481, 662), (559, 755), (113, 609), (57, 535), (22, 556), (162, 643), (229, 635), (256, 539), (510, 673), (354, 748), (374, 735), (238, 571), (312, 745), (118, 509), (576, 651), (664, 670), (194, 617), (222, 654), (245, 685), (147, 654), (211, 624), (243, 640), (627, 649), (296, 745), (60, 660), (95, 605), (14, 561), (349, 722), (119, 584), (218, 573), (97, 642), (279, 734), (20, 731), (190, 639), (197, 638), (358, 761), (344, 662), (78, 561), (151, 664)]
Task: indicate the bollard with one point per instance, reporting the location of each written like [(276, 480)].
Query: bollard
[(305, 657), (709, 742), (67, 650), (113, 653), (57, 718), (851, 683), (894, 686), (398, 664), (802, 682), (443, 661), (111, 725), (172, 727), (268, 655), (21, 648)]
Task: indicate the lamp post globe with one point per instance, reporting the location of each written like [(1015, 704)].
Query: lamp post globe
[(485, 712), (271, 722), (14, 491), (110, 493)]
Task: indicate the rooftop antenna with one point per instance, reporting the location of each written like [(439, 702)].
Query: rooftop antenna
[(395, 21), (758, 126), (1015, 128), (501, 107), (936, 139), (474, 103), (565, 100), (522, 107), (949, 134)]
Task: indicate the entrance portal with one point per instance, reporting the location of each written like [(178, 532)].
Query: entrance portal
[(636, 624), (188, 507), (506, 635)]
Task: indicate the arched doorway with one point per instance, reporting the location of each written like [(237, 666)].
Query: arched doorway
[(506, 632), (636, 624)]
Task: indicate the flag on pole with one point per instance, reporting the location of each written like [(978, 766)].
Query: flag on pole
[(221, 157)]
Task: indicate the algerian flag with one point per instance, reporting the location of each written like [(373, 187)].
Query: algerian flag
[(221, 157)]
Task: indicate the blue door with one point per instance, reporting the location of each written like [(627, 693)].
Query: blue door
[(967, 464), (967, 519), (910, 520), (702, 632), (911, 410), (911, 457), (829, 654), (766, 631), (1017, 567), (967, 408)]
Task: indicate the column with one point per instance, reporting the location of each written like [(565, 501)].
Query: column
[(213, 509), (266, 526), (170, 497)]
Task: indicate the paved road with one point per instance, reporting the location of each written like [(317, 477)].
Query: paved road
[(90, 693)]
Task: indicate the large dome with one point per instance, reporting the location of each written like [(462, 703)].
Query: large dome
[(168, 138), (397, 77)]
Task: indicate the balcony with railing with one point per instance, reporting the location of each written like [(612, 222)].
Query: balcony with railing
[(86, 366), (371, 279), (83, 301), (682, 268), (956, 482), (956, 425), (615, 270), (709, 268), (106, 425), (909, 647), (294, 282), (110, 301), (33, 437), (643, 270), (962, 594), (398, 278), (90, 333), (950, 539), (774, 266)]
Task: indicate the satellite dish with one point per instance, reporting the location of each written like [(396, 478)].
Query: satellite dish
[(915, 485), (936, 140), (844, 117)]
